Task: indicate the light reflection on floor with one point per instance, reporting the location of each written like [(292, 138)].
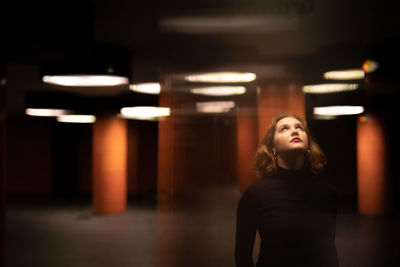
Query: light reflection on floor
[(194, 231)]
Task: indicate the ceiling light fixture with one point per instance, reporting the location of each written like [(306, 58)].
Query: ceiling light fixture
[(353, 74), (338, 110), (85, 80), (146, 88), (144, 112), (95, 65), (46, 112), (77, 118), (215, 106), (222, 77), (219, 90), (329, 88)]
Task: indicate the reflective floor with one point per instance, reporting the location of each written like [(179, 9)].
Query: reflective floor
[(198, 232)]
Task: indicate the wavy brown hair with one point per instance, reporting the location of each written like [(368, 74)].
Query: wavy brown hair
[(264, 163)]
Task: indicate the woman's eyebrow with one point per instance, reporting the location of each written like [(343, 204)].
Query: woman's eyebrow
[(285, 124)]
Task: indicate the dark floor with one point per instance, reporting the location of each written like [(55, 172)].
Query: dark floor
[(65, 233)]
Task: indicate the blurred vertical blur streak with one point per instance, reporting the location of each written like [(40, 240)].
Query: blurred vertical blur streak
[(373, 192), (3, 164), (165, 176), (196, 169), (169, 182)]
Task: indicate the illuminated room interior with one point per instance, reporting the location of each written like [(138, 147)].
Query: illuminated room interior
[(128, 128)]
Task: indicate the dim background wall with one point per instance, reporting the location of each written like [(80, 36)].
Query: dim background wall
[(47, 158)]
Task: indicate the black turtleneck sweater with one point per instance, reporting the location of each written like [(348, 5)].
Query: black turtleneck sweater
[(295, 214)]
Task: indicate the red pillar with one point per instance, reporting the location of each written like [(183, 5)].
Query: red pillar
[(247, 139), (109, 165), (277, 98), (253, 121), (373, 191)]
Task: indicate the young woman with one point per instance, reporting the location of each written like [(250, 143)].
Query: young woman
[(291, 206)]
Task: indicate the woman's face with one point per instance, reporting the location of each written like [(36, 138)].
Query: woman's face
[(289, 136)]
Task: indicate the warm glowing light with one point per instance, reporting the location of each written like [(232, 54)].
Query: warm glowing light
[(43, 112), (338, 110), (222, 77), (214, 106), (73, 118), (329, 88), (85, 80), (356, 74), (147, 88), (370, 65), (219, 90), (144, 113)]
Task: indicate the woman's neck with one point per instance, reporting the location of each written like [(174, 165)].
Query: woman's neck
[(291, 162)]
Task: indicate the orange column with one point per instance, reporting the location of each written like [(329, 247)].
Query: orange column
[(278, 98), (253, 120), (247, 139), (373, 193), (109, 165)]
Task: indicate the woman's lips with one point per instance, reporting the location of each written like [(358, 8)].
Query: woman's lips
[(296, 139)]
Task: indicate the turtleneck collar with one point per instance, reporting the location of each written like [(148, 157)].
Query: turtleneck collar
[(282, 172)]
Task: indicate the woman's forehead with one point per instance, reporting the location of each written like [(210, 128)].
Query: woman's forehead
[(288, 120)]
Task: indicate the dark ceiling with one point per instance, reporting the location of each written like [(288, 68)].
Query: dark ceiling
[(175, 36)]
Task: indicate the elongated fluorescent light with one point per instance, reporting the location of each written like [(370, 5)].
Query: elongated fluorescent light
[(329, 88), (338, 110), (77, 118), (219, 90), (354, 74), (144, 113), (147, 88), (43, 112), (222, 77), (85, 80), (214, 106)]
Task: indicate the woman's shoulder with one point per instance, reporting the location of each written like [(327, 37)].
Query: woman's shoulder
[(258, 187), (253, 194)]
